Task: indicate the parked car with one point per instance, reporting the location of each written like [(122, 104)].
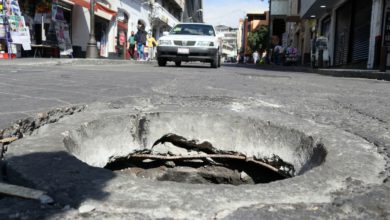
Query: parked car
[(190, 42)]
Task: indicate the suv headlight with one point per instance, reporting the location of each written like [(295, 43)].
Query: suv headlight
[(205, 44), (164, 42)]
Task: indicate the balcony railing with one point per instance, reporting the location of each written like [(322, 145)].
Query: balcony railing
[(163, 15)]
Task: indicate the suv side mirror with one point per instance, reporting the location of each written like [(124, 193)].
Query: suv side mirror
[(165, 33)]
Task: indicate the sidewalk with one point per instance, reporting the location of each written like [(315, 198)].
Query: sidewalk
[(353, 73), (67, 61)]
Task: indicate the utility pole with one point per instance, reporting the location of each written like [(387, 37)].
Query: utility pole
[(92, 52), (269, 50)]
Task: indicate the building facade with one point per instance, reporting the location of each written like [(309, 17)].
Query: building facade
[(193, 11), (165, 14), (229, 39), (114, 21), (251, 22), (291, 30), (355, 29)]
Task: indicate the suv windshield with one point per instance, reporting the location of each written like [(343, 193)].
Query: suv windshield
[(193, 29)]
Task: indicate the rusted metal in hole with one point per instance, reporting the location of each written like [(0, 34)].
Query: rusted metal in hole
[(206, 165)]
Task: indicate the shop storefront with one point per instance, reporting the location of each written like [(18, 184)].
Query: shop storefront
[(101, 32), (50, 23), (361, 31), (122, 35), (51, 27), (353, 33), (343, 24), (385, 32)]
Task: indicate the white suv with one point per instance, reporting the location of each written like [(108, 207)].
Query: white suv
[(190, 42)]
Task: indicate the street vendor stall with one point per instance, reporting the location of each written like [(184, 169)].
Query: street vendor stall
[(49, 22), (14, 33)]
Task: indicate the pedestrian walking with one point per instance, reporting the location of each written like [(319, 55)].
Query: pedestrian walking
[(278, 51), (151, 43), (255, 56), (140, 38), (131, 45)]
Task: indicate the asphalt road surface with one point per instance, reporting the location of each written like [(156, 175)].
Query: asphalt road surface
[(358, 106)]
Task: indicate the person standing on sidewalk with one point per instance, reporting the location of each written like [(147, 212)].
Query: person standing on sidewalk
[(255, 57), (140, 38), (151, 43), (131, 47)]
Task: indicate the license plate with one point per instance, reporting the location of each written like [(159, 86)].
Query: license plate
[(183, 51)]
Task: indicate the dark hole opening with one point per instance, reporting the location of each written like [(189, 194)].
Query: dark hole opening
[(234, 172), (211, 166)]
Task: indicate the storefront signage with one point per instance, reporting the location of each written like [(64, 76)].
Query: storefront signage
[(19, 32), (122, 38)]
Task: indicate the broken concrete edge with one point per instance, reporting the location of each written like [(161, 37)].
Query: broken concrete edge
[(136, 131), (28, 125), (8, 140), (25, 192)]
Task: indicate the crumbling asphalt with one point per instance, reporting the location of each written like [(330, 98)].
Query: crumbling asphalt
[(351, 116)]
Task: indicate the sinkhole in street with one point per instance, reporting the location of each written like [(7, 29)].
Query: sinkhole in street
[(201, 148)]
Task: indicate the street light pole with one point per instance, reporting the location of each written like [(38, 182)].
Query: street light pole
[(92, 51)]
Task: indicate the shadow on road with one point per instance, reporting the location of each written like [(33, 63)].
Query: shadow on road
[(187, 65), (266, 67), (65, 178)]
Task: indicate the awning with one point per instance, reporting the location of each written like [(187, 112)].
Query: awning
[(318, 8), (122, 25), (105, 9), (100, 9)]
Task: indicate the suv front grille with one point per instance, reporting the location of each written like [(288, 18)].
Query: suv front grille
[(184, 43)]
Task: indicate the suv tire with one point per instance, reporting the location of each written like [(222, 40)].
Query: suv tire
[(214, 62), (161, 62)]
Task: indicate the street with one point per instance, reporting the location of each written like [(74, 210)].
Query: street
[(355, 106)]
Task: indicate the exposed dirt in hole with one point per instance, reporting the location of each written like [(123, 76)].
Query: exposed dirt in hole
[(205, 164)]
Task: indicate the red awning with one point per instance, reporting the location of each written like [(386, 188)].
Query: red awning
[(98, 6), (82, 3), (105, 9), (122, 25)]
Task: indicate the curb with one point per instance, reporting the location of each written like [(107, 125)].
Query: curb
[(59, 62), (348, 73)]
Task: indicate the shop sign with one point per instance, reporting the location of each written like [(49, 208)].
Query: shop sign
[(57, 13), (20, 34)]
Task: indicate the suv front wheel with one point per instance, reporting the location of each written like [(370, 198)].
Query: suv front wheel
[(215, 61), (161, 62)]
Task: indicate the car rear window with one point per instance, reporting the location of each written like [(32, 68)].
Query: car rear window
[(193, 29)]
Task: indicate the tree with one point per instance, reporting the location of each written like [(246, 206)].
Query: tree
[(257, 39)]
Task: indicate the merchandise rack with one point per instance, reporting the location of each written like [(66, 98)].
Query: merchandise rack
[(7, 34)]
